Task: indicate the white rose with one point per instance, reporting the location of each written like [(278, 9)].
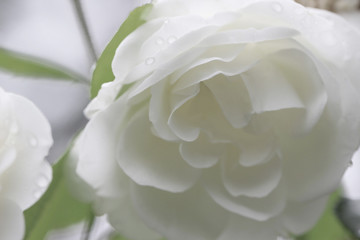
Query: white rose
[(25, 139), (240, 120)]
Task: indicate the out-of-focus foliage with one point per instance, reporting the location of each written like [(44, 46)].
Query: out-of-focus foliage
[(29, 66), (56, 209), (329, 227)]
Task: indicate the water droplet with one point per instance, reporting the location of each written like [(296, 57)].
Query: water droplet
[(159, 41), (351, 163), (33, 142), (277, 7), (14, 129), (166, 20), (171, 39), (38, 193), (149, 61), (42, 181)]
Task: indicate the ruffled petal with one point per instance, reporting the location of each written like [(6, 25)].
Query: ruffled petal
[(231, 95), (151, 161), (245, 229), (201, 153), (300, 217), (268, 89), (29, 174), (126, 221), (96, 147), (169, 214), (304, 158), (255, 181), (159, 111), (259, 209)]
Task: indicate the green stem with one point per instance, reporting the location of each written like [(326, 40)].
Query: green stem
[(85, 29), (89, 226)]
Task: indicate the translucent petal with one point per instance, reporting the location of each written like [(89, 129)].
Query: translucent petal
[(97, 164), (244, 228), (126, 221), (201, 153), (301, 217), (188, 215), (231, 95), (318, 159), (269, 90), (259, 209), (151, 161), (160, 109), (21, 181), (255, 181)]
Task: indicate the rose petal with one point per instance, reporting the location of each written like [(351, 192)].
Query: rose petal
[(159, 111), (329, 141), (231, 95), (201, 153), (255, 181), (268, 89), (126, 221), (256, 149), (97, 166), (249, 35), (7, 157), (259, 209), (245, 228), (12, 225), (29, 174), (200, 112), (300, 217), (244, 58), (207, 218), (182, 118), (151, 161)]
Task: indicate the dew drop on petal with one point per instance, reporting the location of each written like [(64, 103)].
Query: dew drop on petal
[(351, 163), (160, 41), (277, 7), (149, 61), (42, 181), (38, 193), (171, 39)]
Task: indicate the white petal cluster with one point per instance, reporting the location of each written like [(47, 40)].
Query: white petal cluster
[(239, 120), (25, 139)]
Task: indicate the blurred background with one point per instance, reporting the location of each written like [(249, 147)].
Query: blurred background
[(55, 32)]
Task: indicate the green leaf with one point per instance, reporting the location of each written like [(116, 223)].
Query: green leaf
[(29, 66), (56, 209), (103, 72), (329, 227)]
